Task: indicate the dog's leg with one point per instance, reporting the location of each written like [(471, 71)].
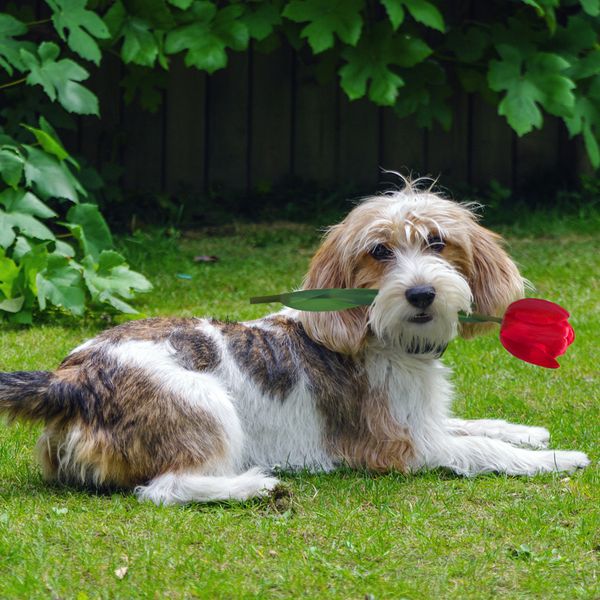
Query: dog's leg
[(470, 455), (180, 488), (520, 435)]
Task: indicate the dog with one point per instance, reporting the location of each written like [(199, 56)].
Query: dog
[(197, 410)]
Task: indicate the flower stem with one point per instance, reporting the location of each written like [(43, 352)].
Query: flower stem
[(477, 318)]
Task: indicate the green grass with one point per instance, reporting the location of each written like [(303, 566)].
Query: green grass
[(342, 535)]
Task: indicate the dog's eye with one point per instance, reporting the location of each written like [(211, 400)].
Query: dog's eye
[(381, 252), (435, 243)]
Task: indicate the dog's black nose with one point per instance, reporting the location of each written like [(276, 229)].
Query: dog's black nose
[(420, 296)]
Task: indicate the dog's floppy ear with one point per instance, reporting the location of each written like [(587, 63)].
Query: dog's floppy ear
[(493, 277), (341, 331)]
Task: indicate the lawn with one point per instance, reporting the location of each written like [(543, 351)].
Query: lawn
[(342, 535)]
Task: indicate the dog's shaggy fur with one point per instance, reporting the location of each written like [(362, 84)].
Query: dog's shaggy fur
[(196, 409)]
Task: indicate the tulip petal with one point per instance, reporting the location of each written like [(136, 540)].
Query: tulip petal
[(554, 339), (529, 352), (536, 310)]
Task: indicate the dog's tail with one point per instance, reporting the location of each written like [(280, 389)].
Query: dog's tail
[(33, 395)]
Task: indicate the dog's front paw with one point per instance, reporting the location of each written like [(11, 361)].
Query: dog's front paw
[(533, 437), (563, 461)]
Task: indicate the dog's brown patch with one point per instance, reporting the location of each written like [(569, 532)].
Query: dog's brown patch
[(360, 429), (125, 427), (194, 350), (265, 355)]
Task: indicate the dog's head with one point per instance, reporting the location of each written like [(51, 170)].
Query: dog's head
[(429, 259)]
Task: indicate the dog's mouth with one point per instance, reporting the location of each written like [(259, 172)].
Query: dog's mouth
[(421, 318)]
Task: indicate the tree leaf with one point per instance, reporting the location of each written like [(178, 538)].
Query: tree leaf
[(9, 272), (371, 60), (208, 36), (182, 4), (25, 202), (426, 13), (395, 12), (49, 177), (47, 142), (90, 229), (110, 280), (59, 78), (83, 26), (12, 305), (261, 20), (530, 79), (11, 165), (9, 48), (326, 20), (591, 7), (61, 283), (139, 43)]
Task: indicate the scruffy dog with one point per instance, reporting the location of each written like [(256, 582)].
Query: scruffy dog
[(188, 410)]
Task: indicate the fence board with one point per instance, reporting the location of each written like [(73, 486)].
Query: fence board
[(402, 146), (228, 133), (537, 156), (142, 154), (492, 146), (271, 118), (185, 128), (316, 127), (358, 155), (447, 151), (265, 116)]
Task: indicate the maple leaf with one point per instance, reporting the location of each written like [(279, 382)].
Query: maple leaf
[(83, 26), (327, 19)]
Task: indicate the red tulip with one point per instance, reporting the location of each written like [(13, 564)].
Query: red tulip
[(536, 331)]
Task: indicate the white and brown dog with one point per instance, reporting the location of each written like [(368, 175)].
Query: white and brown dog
[(186, 410)]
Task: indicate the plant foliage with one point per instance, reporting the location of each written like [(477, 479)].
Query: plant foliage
[(46, 261)]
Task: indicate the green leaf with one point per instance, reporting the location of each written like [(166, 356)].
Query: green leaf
[(12, 305), (25, 202), (7, 234), (110, 280), (83, 26), (395, 12), (182, 4), (530, 79), (9, 272), (520, 108), (261, 20), (139, 43), (322, 300), (11, 165), (89, 228), (64, 249), (207, 38), (585, 120), (9, 48), (327, 19), (49, 177), (60, 282), (591, 7), (145, 84), (371, 60), (425, 95), (59, 78), (426, 13), (47, 142)]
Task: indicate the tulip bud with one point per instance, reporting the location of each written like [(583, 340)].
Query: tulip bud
[(536, 331)]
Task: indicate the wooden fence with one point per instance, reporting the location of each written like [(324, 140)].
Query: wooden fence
[(265, 118)]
